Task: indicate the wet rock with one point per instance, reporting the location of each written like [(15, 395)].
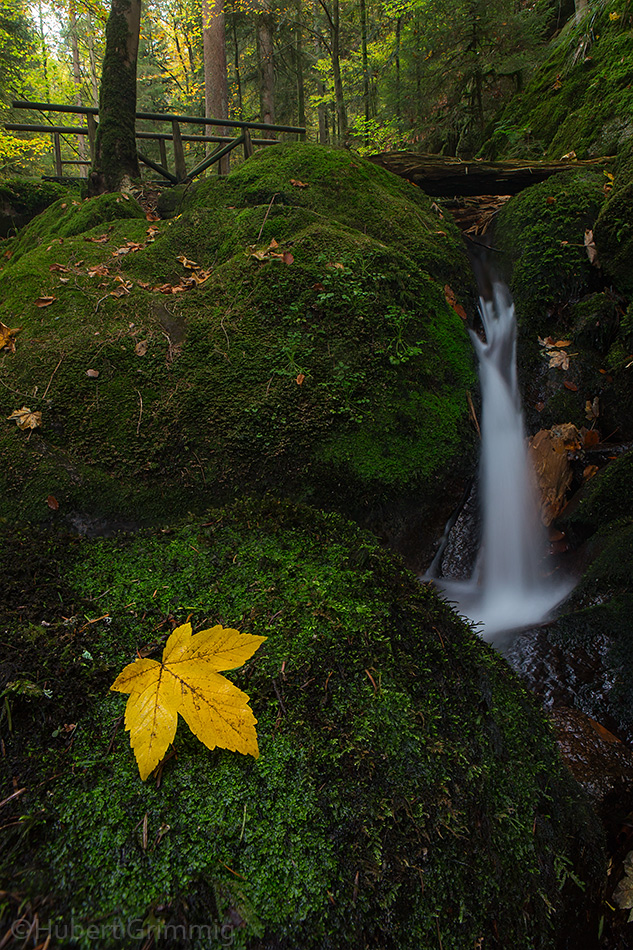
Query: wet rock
[(462, 543), (597, 759), (550, 454)]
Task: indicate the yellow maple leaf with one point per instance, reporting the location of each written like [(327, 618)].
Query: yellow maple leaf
[(187, 682), (7, 337)]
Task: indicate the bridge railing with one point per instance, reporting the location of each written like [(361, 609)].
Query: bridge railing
[(225, 144)]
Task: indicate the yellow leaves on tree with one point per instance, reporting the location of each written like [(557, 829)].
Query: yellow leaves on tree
[(187, 681)]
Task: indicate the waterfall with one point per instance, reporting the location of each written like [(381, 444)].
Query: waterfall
[(508, 588)]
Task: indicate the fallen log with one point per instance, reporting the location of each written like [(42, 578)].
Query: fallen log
[(443, 176)]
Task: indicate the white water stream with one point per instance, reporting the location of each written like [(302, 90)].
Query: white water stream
[(509, 587)]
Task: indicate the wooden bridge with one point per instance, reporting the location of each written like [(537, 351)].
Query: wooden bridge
[(225, 143)]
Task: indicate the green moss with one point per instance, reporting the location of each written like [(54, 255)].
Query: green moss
[(22, 198), (406, 783), (71, 216), (542, 230), (580, 100), (606, 498), (614, 238), (254, 377)]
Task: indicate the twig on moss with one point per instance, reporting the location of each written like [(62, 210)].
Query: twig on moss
[(61, 360), (140, 412), (266, 217)]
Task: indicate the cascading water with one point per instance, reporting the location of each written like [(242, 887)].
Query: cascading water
[(508, 588)]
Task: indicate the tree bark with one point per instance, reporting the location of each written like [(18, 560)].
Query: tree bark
[(321, 108), (94, 81), (301, 99), (216, 87), (363, 40), (341, 113), (236, 67), (266, 65), (116, 160), (74, 43)]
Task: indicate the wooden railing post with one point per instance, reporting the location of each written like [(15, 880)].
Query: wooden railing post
[(248, 144), (58, 154), (162, 148), (179, 154), (92, 134)]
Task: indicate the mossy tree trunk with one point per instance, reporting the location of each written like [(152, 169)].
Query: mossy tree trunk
[(116, 160)]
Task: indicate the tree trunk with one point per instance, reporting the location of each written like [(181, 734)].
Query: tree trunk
[(341, 113), (74, 43), (322, 107), (116, 160), (94, 81), (266, 67), (216, 88), (363, 41), (44, 54), (237, 69), (398, 88), (301, 97)]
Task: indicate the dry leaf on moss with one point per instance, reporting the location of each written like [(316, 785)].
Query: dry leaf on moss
[(187, 681), (25, 418)]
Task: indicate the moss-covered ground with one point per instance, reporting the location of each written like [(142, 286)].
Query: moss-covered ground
[(408, 793), (337, 374), (581, 98)]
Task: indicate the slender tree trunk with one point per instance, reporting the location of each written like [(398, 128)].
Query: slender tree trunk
[(237, 68), (74, 43), (44, 53), (266, 64), (363, 41), (94, 81), (418, 72), (341, 113), (322, 107), (116, 160), (301, 98), (216, 88), (398, 89)]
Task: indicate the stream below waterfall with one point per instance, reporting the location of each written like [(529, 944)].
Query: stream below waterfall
[(509, 587)]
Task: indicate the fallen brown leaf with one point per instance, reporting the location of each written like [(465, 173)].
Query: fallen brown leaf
[(45, 301), (25, 418)]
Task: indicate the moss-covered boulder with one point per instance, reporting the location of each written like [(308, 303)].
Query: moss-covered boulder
[(408, 792), (23, 198), (581, 98), (287, 330), (560, 295), (541, 233)]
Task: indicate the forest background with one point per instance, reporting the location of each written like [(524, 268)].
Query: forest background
[(376, 75)]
